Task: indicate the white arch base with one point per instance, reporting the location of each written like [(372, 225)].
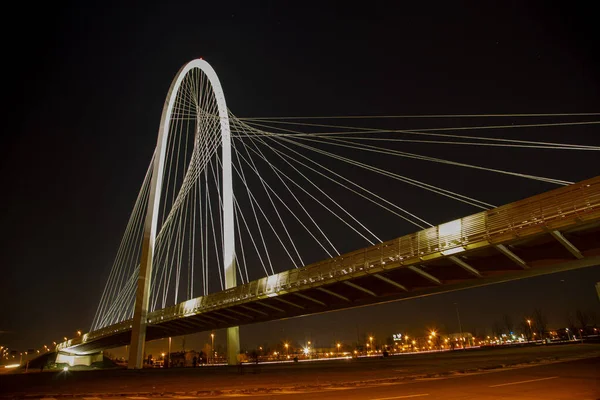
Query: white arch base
[(142, 297)]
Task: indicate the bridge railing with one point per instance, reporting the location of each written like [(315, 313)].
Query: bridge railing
[(547, 211), (543, 212)]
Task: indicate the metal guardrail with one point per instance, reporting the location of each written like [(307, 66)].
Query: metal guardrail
[(547, 211)]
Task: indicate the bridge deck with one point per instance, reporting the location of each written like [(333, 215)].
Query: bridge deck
[(553, 231)]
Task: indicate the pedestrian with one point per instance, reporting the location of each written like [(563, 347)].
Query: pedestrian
[(194, 361)]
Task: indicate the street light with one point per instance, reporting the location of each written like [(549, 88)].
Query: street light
[(338, 346), (371, 342), (78, 333), (212, 347), (459, 324), (287, 351)]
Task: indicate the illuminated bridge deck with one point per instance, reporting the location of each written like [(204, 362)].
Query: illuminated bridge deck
[(550, 232)]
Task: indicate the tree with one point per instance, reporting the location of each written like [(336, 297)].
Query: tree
[(583, 320), (497, 329), (389, 341), (508, 323), (476, 334), (540, 323), (525, 330), (571, 326)]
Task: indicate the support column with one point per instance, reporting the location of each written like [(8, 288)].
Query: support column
[(142, 294), (233, 333), (233, 344)]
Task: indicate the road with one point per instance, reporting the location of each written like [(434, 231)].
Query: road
[(560, 380), (549, 372)]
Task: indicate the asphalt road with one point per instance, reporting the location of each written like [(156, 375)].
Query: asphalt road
[(561, 380), (548, 372)]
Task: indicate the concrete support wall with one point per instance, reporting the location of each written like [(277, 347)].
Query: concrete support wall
[(73, 359)]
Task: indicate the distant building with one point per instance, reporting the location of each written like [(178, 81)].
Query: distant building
[(459, 339)]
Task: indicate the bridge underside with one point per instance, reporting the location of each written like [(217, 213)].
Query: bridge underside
[(515, 258)]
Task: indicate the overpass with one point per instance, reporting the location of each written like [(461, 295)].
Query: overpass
[(554, 231)]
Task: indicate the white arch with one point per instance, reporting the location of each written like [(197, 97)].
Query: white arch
[(138, 334)]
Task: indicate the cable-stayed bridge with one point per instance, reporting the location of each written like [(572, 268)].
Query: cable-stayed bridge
[(243, 220)]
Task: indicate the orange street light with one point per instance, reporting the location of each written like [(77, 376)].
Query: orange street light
[(212, 347)]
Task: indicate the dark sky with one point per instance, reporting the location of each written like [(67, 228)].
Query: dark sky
[(87, 81)]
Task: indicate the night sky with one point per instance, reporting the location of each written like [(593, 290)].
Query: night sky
[(86, 85)]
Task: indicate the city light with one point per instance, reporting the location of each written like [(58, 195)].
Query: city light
[(212, 346)]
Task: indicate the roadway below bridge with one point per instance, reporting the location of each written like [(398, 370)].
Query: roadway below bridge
[(533, 372)]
